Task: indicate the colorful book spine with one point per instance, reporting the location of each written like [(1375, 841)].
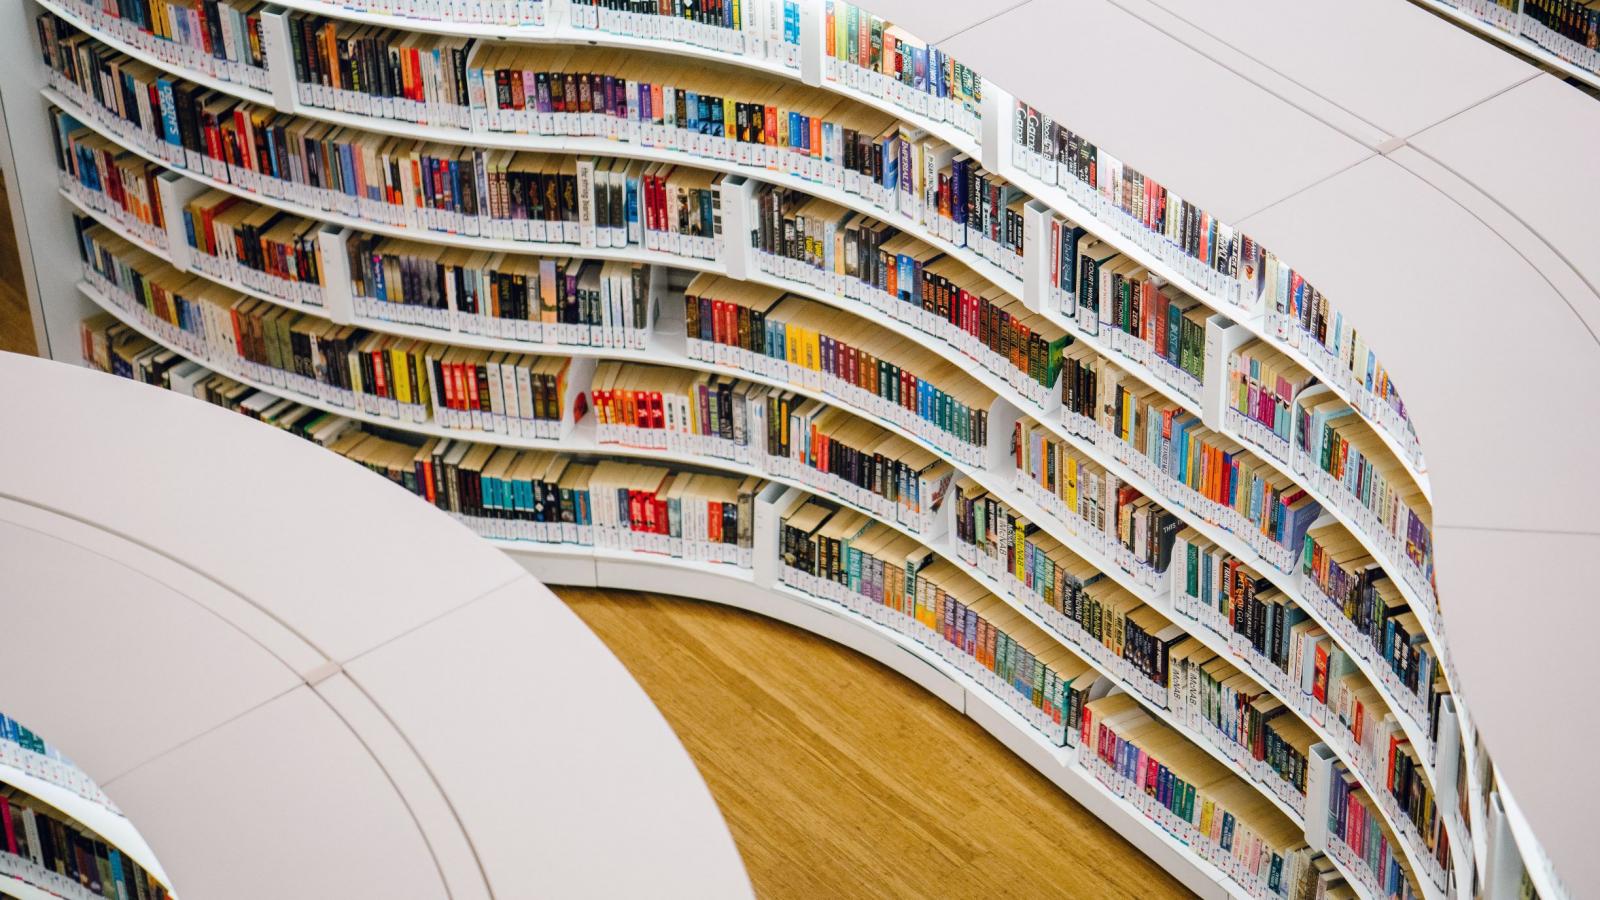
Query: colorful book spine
[(868, 53), (112, 181), (760, 29), (219, 38)]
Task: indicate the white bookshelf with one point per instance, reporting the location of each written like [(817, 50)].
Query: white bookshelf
[(993, 147)]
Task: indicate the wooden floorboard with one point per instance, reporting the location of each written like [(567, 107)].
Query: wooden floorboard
[(16, 322), (840, 778)]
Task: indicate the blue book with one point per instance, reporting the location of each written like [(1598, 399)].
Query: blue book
[(169, 112)]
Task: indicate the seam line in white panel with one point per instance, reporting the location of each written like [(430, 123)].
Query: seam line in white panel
[(432, 619), (111, 782), (423, 763), (1582, 320), (986, 19), (98, 526), (1265, 87)]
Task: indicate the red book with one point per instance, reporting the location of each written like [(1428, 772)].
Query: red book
[(1319, 683), (5, 822), (658, 415)]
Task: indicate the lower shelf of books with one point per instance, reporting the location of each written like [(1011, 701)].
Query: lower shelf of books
[(967, 688), (113, 826)]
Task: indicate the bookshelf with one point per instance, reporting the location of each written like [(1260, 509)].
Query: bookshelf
[(1240, 313)]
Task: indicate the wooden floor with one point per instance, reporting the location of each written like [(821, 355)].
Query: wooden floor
[(840, 778), (16, 323)]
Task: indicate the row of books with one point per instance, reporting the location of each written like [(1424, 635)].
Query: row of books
[(540, 300), (1212, 475), (829, 450), (1302, 317), (1341, 455), (1210, 253), (1225, 262), (869, 54), (1111, 296), (771, 333), (1259, 402), (1099, 617), (370, 70), (838, 251), (234, 240), (219, 38), (890, 578), (1569, 29), (500, 492), (554, 498), (52, 851), (502, 194), (24, 750), (1156, 659), (1094, 505), (99, 174), (1316, 676), (407, 380), (754, 29), (1360, 839), (1339, 576), (1197, 799)]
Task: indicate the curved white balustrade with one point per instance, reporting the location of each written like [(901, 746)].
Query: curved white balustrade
[(286, 705)]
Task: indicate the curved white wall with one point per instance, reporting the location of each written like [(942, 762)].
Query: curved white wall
[(289, 704)]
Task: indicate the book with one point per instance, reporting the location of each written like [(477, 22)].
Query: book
[(538, 299), (842, 556), (220, 38), (833, 249), (114, 182), (1201, 801), (767, 332), (1263, 384), (255, 245), (866, 52)]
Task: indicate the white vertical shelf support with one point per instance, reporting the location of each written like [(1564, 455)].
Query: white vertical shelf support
[(338, 293), (1003, 418), (813, 43), (580, 378), (737, 199), (1447, 758), (279, 58), (175, 192), (1036, 293), (1502, 879), (994, 136), (1223, 336), (764, 539), (1319, 779)]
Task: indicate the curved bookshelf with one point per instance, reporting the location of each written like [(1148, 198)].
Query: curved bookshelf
[(1048, 415), (582, 441), (1002, 157), (1057, 197), (677, 359), (667, 349)]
